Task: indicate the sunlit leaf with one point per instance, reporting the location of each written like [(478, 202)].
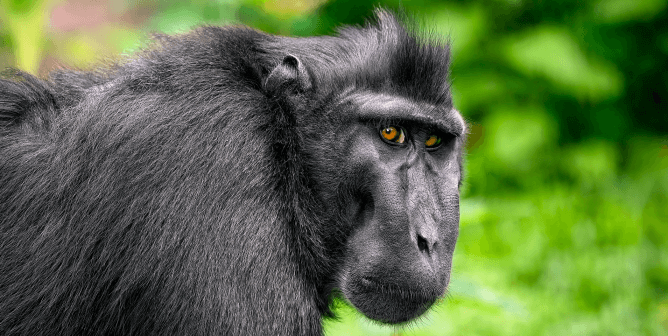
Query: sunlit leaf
[(627, 10), (551, 52), (177, 19), (25, 21), (516, 136), (592, 161), (463, 25)]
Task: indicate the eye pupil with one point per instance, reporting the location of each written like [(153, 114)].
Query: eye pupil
[(433, 141), (393, 134)]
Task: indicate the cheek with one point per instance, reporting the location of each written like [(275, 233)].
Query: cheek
[(358, 147), (445, 164), (450, 224)]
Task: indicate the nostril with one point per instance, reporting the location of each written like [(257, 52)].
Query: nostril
[(422, 244)]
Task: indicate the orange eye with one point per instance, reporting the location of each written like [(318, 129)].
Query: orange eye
[(393, 134), (433, 141)]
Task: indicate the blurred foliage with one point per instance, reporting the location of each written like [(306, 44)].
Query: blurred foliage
[(564, 225)]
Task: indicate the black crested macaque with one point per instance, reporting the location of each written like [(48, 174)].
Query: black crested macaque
[(230, 182)]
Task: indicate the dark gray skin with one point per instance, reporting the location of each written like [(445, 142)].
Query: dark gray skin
[(399, 257), (230, 182), (399, 201)]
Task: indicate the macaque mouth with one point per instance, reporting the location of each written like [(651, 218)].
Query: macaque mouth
[(390, 303)]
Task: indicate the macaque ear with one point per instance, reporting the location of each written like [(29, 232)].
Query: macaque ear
[(290, 76)]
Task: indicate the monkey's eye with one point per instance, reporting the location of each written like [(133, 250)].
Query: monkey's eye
[(433, 141), (393, 134)]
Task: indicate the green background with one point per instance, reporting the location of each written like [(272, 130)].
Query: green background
[(564, 227)]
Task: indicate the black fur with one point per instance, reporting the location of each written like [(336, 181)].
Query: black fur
[(185, 191)]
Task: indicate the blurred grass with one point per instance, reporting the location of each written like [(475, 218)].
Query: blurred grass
[(564, 224), (23, 20)]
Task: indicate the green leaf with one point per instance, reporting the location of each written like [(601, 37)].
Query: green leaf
[(553, 53)]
